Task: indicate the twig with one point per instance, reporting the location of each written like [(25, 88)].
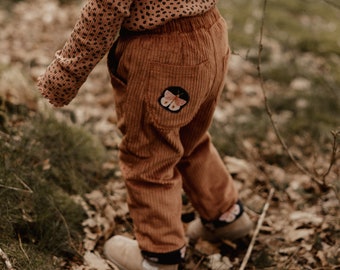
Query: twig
[(14, 188), (66, 226), (28, 189), (314, 177), (6, 260), (266, 103), (24, 184), (197, 266), (332, 3), (335, 151), (257, 230), (22, 249), (64, 221)]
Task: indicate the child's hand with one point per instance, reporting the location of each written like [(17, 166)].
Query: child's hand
[(57, 95)]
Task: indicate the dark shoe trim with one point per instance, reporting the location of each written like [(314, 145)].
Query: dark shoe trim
[(174, 257)]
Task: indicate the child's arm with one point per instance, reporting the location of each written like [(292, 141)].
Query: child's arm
[(92, 36)]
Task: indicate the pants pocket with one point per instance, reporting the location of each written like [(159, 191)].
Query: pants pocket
[(175, 93), (118, 82)]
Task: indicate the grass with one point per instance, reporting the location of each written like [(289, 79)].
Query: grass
[(307, 34), (43, 162), (313, 121), (303, 25)]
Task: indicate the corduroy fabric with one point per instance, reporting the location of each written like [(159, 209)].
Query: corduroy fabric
[(163, 151)]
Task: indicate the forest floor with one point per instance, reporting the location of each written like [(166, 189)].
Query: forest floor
[(301, 228)]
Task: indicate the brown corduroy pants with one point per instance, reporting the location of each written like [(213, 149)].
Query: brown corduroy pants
[(166, 85)]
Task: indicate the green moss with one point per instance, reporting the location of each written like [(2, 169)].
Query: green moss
[(33, 259), (73, 154), (42, 163), (46, 222)]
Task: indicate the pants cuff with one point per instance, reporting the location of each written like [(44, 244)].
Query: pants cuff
[(174, 257)]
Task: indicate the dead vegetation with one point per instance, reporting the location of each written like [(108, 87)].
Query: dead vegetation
[(60, 185)]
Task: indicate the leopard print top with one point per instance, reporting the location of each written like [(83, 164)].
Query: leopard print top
[(95, 32)]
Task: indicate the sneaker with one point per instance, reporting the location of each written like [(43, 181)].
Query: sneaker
[(220, 230), (126, 255)]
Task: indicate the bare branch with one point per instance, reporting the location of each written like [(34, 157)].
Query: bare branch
[(27, 190), (69, 237), (332, 3), (335, 150), (22, 248), (257, 230), (198, 265), (6, 260), (321, 181), (15, 188)]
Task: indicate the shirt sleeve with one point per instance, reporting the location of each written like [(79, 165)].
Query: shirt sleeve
[(91, 38)]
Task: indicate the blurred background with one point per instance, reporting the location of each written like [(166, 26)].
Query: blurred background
[(60, 186)]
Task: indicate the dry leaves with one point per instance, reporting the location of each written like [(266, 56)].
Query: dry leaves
[(302, 226), (102, 210)]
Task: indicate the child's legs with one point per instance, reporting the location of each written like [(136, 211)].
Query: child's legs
[(205, 178), (148, 154), (206, 181), (161, 82)]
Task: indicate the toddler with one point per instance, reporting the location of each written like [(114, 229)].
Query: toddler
[(167, 62)]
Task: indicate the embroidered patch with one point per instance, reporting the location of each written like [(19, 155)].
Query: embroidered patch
[(174, 98)]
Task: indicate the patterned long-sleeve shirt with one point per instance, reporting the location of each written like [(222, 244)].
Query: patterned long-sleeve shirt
[(95, 32)]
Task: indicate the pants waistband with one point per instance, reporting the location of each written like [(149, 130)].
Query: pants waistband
[(183, 25)]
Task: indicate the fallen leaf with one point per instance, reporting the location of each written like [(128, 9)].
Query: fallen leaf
[(303, 218), (206, 247), (294, 235), (322, 257), (217, 262), (95, 261)]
